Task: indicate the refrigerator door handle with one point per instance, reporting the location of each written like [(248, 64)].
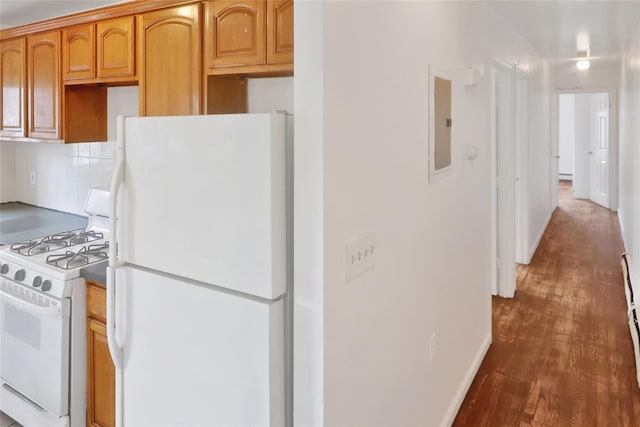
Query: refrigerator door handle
[(116, 182), (114, 348)]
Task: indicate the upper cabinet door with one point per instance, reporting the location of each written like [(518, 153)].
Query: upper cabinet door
[(280, 31), (234, 34), (170, 64), (43, 85), (13, 75), (79, 52), (116, 53)]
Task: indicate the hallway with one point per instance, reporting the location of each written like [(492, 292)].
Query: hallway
[(561, 353)]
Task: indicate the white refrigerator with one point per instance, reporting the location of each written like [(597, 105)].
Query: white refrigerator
[(197, 278)]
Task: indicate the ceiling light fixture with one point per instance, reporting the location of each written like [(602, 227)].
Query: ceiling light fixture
[(583, 64)]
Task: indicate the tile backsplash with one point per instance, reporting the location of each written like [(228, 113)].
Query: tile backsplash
[(64, 173)]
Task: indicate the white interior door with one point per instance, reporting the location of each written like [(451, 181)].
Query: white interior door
[(599, 149), (505, 170)]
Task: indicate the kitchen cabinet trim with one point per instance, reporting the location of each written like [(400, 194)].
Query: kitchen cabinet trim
[(113, 11)]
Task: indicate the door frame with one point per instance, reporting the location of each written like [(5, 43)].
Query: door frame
[(522, 164), (554, 151), (613, 136), (506, 289)]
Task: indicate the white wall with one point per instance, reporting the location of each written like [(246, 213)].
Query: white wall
[(378, 326), (568, 77), (582, 178), (7, 171), (361, 166), (566, 114), (267, 94), (629, 203), (539, 191)]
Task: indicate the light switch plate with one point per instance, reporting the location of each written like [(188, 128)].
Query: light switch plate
[(360, 255)]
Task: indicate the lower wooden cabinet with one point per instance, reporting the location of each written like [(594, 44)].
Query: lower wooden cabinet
[(101, 374)]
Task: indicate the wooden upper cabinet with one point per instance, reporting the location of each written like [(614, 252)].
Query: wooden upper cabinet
[(235, 33), (249, 37), (99, 53), (170, 66), (280, 31), (116, 48), (79, 52), (43, 85), (13, 72)]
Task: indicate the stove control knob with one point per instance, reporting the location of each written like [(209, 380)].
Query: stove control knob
[(20, 275), (4, 269), (46, 285), (37, 281)]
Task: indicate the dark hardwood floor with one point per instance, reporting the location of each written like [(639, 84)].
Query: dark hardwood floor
[(561, 353)]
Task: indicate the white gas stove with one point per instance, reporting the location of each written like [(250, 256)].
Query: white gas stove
[(48, 263), (42, 321)]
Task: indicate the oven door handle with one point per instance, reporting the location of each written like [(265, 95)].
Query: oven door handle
[(36, 309)]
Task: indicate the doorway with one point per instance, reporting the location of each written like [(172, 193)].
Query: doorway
[(585, 146)]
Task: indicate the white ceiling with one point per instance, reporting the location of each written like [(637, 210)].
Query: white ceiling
[(554, 27), (558, 29)]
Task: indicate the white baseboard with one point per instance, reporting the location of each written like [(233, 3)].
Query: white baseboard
[(622, 231), (534, 246), (451, 413)]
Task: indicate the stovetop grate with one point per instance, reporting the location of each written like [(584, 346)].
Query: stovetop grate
[(56, 241), (85, 256)]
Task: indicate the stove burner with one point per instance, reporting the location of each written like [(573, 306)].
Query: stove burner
[(56, 241), (86, 237), (20, 246), (86, 255), (33, 247)]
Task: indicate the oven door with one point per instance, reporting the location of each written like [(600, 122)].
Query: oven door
[(34, 347)]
